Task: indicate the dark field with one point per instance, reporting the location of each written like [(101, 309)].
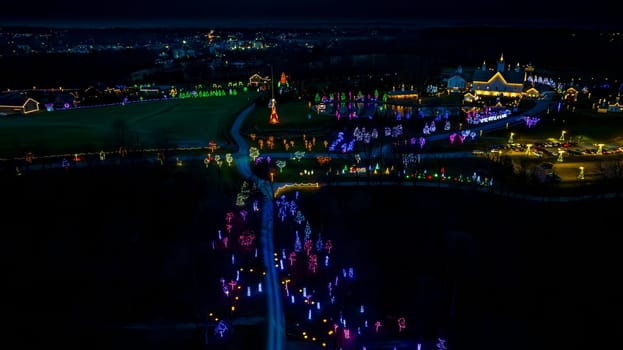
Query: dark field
[(489, 272), (84, 253)]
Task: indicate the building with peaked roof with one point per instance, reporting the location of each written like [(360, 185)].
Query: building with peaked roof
[(616, 107), (610, 107), (257, 80), (532, 92), (501, 81), (457, 83), (12, 103)]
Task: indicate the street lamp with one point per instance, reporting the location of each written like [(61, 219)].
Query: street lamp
[(562, 136), (272, 84), (510, 138)]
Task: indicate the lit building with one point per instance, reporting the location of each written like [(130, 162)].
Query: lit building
[(402, 95), (502, 81), (457, 82), (257, 80), (17, 103)]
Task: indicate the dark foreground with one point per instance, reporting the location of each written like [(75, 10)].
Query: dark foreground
[(84, 254)]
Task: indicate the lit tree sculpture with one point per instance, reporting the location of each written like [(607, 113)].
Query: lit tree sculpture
[(274, 118), (280, 164), (312, 263), (246, 239), (292, 258), (452, 137), (319, 243), (581, 174), (298, 246), (401, 324), (229, 159), (212, 146), (254, 152), (441, 344), (328, 246), (308, 246), (307, 232), (299, 217), (298, 155)]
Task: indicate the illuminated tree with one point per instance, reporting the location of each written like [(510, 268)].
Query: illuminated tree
[(328, 246), (312, 263), (274, 117), (298, 246), (319, 243), (254, 152), (308, 246), (244, 193), (280, 164), (298, 155), (212, 146), (299, 217), (307, 232)]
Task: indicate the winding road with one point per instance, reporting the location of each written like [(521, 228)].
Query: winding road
[(275, 319)]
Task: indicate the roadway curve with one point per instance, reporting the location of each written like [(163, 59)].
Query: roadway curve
[(275, 319)]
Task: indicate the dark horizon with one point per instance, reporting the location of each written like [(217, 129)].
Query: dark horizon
[(157, 14), (567, 13), (210, 23)]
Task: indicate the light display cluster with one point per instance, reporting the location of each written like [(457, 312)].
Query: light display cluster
[(321, 298), (242, 275)]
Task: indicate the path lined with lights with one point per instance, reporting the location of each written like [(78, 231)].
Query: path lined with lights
[(276, 317), (275, 320), (275, 323)]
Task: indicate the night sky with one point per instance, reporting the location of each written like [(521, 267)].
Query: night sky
[(170, 13)]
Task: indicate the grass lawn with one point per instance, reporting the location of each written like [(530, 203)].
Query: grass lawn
[(585, 126), (295, 119), (191, 122)]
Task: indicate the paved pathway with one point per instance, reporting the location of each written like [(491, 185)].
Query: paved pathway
[(275, 319), (276, 339)]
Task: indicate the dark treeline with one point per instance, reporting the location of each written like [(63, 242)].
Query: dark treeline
[(71, 70)]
